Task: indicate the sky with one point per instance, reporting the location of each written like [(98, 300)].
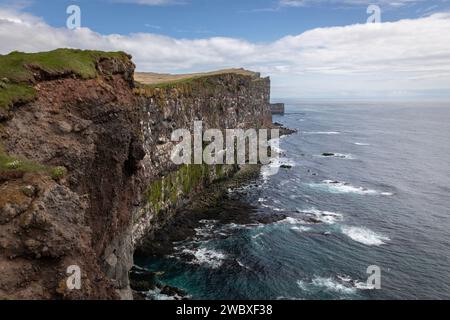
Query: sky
[(311, 49)]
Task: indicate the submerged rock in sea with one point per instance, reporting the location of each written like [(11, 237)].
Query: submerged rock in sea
[(283, 130), (143, 282), (142, 279)]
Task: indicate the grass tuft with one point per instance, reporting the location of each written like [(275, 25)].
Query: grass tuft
[(57, 173), (10, 163)]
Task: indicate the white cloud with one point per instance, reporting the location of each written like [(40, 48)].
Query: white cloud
[(407, 55), (149, 2), (303, 3)]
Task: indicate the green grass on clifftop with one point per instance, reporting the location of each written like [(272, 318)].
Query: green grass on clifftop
[(18, 69), (161, 80)]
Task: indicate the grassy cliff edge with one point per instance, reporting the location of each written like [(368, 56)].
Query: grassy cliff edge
[(20, 71)]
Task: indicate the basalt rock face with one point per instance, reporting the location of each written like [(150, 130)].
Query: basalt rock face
[(86, 176), (220, 102)]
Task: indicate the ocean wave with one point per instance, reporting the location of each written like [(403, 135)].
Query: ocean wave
[(301, 229), (326, 284), (344, 187), (346, 156), (271, 207), (302, 285), (331, 284), (206, 230), (274, 144), (207, 257), (288, 298), (360, 285), (290, 220), (157, 294), (273, 167), (243, 265), (364, 236), (362, 144), (322, 132), (339, 284), (234, 226), (256, 236), (327, 217)]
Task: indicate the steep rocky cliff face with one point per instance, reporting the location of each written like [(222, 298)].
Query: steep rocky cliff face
[(85, 170), (220, 101)]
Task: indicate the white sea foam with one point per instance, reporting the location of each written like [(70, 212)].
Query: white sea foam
[(361, 144), (326, 284), (205, 221), (291, 220), (360, 285), (331, 284), (274, 166), (346, 156), (234, 226), (157, 295), (243, 265), (322, 132), (341, 284), (207, 228), (344, 187), (275, 146), (288, 298), (301, 229), (256, 236), (207, 257), (363, 285), (365, 236), (327, 217), (302, 285), (344, 278)]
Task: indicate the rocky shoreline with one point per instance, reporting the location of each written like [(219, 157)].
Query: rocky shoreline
[(216, 204)]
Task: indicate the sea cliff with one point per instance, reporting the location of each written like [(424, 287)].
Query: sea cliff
[(85, 170)]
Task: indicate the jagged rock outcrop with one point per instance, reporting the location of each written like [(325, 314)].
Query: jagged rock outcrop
[(85, 174)]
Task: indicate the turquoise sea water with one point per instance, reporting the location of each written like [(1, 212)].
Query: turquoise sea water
[(383, 199)]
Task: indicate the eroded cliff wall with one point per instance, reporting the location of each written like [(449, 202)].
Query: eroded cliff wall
[(220, 101), (85, 170)]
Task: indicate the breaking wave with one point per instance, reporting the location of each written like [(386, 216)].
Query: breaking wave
[(207, 257), (327, 217), (339, 284), (156, 294), (274, 166), (364, 236), (344, 187), (327, 284), (301, 229)]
